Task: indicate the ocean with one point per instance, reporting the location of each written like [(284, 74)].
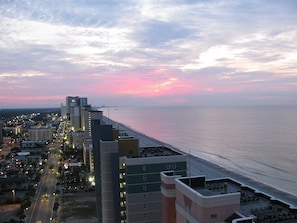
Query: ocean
[(258, 142)]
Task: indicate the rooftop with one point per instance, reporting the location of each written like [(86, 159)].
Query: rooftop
[(211, 188), (157, 151), (23, 153), (252, 202)]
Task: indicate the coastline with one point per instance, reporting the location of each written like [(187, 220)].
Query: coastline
[(198, 166)]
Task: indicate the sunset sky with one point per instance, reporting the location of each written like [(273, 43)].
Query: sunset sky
[(148, 52)]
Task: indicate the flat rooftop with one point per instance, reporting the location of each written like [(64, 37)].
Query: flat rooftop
[(23, 153), (264, 207), (157, 151), (212, 188)]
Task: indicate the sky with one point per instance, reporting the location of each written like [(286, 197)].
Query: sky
[(148, 52)]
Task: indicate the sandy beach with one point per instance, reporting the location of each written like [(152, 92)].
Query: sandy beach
[(198, 166)]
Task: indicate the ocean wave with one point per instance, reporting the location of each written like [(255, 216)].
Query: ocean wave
[(252, 172), (271, 166)]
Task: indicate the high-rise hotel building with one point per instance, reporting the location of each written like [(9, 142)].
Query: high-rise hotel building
[(73, 108), (74, 101), (89, 115), (100, 134), (140, 183), (128, 183)]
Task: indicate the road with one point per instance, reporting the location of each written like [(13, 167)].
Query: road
[(42, 205)]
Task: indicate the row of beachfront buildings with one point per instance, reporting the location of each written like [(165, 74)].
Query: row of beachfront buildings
[(151, 184)]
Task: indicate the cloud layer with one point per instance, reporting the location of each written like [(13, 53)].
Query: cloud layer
[(168, 52)]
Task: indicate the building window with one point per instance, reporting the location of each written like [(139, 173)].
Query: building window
[(144, 216), (168, 166), (123, 185), (173, 165), (144, 197), (144, 168), (212, 216), (122, 194), (144, 206), (122, 166), (144, 177), (144, 187)]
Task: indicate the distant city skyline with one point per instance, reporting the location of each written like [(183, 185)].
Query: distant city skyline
[(152, 53)]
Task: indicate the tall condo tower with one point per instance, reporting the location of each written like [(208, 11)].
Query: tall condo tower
[(73, 108), (128, 182)]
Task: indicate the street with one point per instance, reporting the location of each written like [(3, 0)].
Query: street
[(42, 205)]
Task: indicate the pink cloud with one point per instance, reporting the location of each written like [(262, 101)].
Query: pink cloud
[(151, 84)]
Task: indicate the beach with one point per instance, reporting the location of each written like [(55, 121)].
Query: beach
[(198, 166)]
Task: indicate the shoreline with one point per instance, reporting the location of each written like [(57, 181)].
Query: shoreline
[(198, 166)]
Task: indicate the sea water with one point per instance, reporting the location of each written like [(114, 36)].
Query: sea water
[(259, 142)]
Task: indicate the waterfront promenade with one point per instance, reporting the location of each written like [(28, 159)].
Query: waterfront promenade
[(198, 166)]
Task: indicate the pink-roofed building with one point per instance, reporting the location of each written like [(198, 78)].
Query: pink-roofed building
[(168, 196), (193, 200)]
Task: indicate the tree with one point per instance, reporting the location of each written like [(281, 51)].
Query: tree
[(21, 214), (56, 206)]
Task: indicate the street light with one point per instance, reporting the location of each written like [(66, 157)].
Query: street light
[(13, 195)]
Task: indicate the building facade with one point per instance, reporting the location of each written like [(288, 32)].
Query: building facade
[(1, 133), (131, 186), (75, 101), (109, 181), (40, 133), (63, 111), (75, 117), (73, 108), (14, 130), (168, 191), (76, 139), (197, 200), (196, 203), (89, 116), (85, 116), (128, 182), (141, 183), (88, 155), (27, 158), (99, 133)]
